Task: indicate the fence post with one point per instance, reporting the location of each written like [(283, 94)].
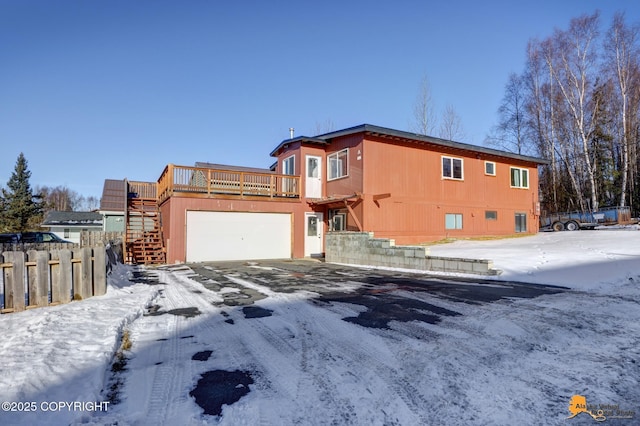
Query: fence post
[(14, 281), (38, 277), (76, 268), (99, 271), (87, 273), (62, 275), (56, 284)]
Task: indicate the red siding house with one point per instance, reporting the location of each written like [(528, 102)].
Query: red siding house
[(399, 185)]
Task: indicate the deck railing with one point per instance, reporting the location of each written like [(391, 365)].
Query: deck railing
[(196, 181), (143, 189)]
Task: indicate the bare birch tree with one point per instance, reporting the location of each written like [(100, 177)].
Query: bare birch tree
[(582, 113), (451, 125), (621, 52), (326, 126), (573, 69), (540, 120), (510, 132), (60, 198), (423, 110)]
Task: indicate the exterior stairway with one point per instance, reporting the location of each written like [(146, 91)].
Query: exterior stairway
[(144, 244)]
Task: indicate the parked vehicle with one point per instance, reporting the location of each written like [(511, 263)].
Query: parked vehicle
[(9, 238), (41, 237), (31, 237), (573, 221)]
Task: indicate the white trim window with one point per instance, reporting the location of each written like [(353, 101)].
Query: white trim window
[(289, 169), (289, 166), (338, 164), (452, 168), (453, 221), (519, 178), (489, 168), (337, 220)]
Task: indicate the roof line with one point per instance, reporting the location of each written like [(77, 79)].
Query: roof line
[(369, 128), (301, 139)]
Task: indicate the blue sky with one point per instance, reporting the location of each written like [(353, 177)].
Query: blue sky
[(96, 89)]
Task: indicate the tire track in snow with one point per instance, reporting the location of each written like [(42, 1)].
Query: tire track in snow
[(324, 346), (268, 345), (313, 372), (571, 349), (176, 367), (166, 376), (363, 360), (229, 351)]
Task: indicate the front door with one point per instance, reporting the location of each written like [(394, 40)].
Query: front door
[(313, 235), (314, 177)]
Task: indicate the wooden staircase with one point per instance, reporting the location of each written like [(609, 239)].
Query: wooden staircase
[(144, 243)]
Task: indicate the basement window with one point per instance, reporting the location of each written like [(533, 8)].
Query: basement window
[(521, 222), (452, 221)]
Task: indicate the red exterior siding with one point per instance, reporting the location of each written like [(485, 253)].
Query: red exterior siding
[(399, 179), (417, 197), (174, 218), (353, 182)]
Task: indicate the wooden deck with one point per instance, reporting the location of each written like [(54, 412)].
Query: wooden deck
[(211, 183), (144, 243)]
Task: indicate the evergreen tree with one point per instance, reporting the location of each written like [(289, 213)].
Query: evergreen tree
[(21, 209)]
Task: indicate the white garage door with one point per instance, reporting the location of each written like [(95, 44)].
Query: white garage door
[(237, 236)]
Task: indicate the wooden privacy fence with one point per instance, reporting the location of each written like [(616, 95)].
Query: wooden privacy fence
[(44, 278), (95, 238)]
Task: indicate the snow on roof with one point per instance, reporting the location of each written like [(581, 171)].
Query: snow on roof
[(72, 218)]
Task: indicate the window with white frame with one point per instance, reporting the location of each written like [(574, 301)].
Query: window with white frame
[(453, 221), (452, 168), (489, 168), (338, 164), (289, 168), (519, 177), (337, 220), (289, 165)]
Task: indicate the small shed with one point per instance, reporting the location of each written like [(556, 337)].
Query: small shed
[(113, 205)]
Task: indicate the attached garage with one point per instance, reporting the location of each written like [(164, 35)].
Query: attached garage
[(227, 235)]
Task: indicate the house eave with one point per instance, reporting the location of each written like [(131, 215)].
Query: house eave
[(385, 132), (300, 139)]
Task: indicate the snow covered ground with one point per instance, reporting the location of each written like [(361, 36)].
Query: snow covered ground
[(512, 361)]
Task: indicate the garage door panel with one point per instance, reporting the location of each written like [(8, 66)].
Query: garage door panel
[(215, 236)]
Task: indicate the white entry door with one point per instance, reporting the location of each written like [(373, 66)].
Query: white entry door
[(314, 177), (313, 228)]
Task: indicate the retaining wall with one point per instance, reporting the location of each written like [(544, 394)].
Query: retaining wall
[(361, 248)]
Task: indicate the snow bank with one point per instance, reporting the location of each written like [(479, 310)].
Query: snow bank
[(61, 353)]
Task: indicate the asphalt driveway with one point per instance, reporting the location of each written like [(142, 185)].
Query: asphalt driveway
[(306, 342), (384, 295)]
